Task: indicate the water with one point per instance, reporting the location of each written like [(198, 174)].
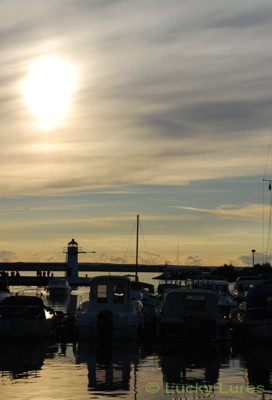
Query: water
[(147, 369), (131, 370)]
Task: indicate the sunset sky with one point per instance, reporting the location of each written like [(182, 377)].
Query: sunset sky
[(113, 108)]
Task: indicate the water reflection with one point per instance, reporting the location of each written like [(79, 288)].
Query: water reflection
[(110, 365), (257, 360), (87, 370), (24, 360), (189, 369)]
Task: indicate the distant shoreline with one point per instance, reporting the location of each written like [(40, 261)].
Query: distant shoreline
[(61, 266)]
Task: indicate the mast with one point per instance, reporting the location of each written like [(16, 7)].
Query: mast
[(137, 250)]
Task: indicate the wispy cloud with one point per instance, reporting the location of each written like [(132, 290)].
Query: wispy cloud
[(171, 94), (250, 212)]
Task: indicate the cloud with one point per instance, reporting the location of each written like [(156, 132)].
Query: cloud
[(164, 100), (250, 212), (7, 256), (193, 260)]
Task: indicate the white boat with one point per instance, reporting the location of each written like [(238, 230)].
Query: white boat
[(110, 310), (190, 314), (4, 288), (252, 319), (219, 285), (3, 295), (243, 284), (4, 292), (23, 316), (58, 287)]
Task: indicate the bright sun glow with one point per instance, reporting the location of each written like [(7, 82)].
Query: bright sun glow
[(48, 90)]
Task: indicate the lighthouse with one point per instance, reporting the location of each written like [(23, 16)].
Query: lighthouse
[(72, 259)]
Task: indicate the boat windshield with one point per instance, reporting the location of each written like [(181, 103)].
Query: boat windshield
[(194, 304)]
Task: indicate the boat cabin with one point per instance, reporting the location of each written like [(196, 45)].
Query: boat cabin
[(110, 292), (187, 302), (259, 303), (22, 307)]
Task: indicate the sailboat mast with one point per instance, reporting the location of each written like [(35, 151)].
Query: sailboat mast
[(137, 250)]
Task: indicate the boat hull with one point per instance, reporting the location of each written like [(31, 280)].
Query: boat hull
[(116, 325), (22, 328), (190, 329), (257, 330)]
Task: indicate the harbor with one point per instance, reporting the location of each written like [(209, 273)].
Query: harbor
[(144, 367)]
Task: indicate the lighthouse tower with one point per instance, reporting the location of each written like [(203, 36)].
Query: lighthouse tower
[(72, 260)]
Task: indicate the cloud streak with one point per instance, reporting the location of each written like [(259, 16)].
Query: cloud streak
[(173, 97)]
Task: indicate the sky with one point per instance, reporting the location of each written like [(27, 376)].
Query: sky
[(113, 108)]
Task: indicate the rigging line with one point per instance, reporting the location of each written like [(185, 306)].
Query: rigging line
[(130, 239), (267, 156), (141, 229)]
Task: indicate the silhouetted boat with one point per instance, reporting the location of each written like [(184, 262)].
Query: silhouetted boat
[(4, 287), (253, 318), (190, 314), (217, 284), (58, 287), (243, 284), (110, 310), (23, 316)]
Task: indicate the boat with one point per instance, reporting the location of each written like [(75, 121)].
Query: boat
[(3, 295), (252, 319), (148, 297), (110, 311), (58, 287), (189, 314), (243, 284), (25, 316), (4, 288), (219, 285)]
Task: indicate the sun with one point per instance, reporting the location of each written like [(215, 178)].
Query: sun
[(48, 90)]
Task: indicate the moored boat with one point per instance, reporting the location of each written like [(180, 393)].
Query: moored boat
[(24, 316), (110, 311), (252, 319), (243, 284), (190, 314), (58, 287), (217, 284), (4, 288)]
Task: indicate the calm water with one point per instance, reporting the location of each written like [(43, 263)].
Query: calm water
[(145, 370), (134, 371)]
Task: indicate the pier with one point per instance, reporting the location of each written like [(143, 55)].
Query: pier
[(17, 272)]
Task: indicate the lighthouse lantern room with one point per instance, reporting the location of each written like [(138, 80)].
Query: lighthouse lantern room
[(72, 259)]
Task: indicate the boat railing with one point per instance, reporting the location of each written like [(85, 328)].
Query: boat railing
[(29, 292)]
